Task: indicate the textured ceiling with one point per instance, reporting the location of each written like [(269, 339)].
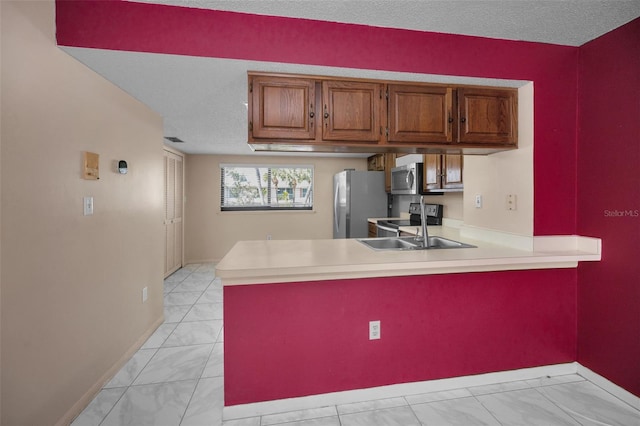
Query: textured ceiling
[(566, 22), (210, 114)]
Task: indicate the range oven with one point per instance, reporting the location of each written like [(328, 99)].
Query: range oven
[(391, 228)]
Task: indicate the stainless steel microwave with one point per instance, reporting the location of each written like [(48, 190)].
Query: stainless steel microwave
[(407, 179)]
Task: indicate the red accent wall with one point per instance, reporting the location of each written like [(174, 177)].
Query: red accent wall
[(572, 188), (199, 32), (295, 339), (609, 205)]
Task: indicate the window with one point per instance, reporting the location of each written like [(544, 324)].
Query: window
[(260, 187)]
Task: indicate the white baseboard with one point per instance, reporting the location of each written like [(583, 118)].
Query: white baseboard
[(404, 389), (391, 391), (91, 393), (609, 386)]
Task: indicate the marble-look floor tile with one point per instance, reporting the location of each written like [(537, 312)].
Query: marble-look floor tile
[(525, 407), (174, 314), (202, 275), (499, 387), (250, 421), (400, 416), (159, 336), (131, 369), (437, 396), (192, 285), (204, 311), (300, 415), (174, 364), (181, 298), (215, 363), (192, 266), (169, 286), (194, 333), (205, 407), (555, 380), (178, 276), (591, 405), (378, 404), (322, 421), (160, 404), (211, 295), (99, 407), (454, 412)]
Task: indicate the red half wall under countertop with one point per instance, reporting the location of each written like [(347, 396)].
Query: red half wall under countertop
[(158, 28), (609, 205), (295, 339)]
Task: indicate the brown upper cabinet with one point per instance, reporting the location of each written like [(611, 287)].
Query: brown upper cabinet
[(420, 113), (351, 111), (442, 172), (487, 116), (383, 162), (282, 108), (314, 113)]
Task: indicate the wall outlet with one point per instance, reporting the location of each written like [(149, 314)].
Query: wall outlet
[(478, 201), (374, 330), (268, 236), (144, 294), (512, 202)]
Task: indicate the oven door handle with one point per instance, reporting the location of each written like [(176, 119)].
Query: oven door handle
[(385, 228), (393, 231)]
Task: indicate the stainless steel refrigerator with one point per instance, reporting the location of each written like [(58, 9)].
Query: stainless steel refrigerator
[(357, 195)]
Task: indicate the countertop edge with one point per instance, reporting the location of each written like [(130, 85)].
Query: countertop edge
[(264, 262)]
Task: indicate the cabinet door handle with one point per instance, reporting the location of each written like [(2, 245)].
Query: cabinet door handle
[(462, 120), (311, 114), (450, 120), (326, 113)]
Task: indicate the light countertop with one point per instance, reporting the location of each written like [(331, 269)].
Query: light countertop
[(272, 261)]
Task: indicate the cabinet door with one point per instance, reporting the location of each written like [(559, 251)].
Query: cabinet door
[(351, 111), (432, 172), (376, 163), (452, 171), (282, 108), (487, 116), (389, 163), (442, 171), (420, 113)]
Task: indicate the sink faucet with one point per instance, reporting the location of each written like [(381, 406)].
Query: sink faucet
[(423, 223)]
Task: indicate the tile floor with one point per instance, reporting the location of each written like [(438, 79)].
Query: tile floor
[(176, 378)]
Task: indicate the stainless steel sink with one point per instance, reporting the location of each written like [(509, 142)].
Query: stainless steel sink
[(442, 243), (410, 243)]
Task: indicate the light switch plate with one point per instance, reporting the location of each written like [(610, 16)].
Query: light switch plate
[(478, 201), (88, 206)]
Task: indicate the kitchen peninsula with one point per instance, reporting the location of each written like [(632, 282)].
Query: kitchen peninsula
[(297, 313)]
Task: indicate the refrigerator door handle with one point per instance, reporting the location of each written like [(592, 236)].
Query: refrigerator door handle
[(335, 206)]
